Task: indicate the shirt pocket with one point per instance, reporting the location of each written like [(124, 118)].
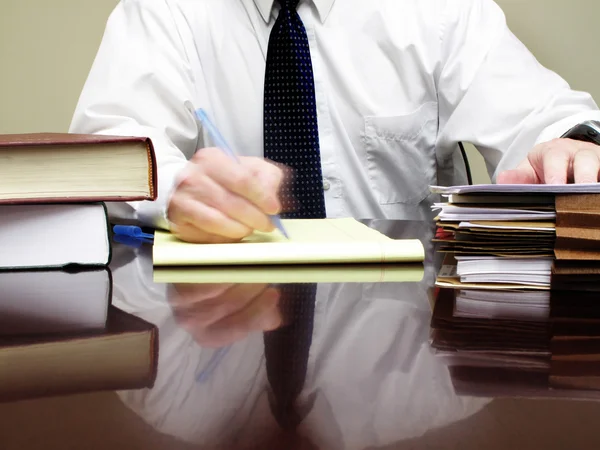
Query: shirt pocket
[(400, 154)]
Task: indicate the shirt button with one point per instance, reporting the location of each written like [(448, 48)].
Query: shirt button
[(326, 185)]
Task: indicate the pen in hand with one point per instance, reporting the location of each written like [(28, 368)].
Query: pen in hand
[(219, 141)]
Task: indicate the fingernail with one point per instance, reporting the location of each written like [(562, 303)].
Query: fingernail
[(271, 205)]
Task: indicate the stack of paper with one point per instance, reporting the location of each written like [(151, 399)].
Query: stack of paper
[(509, 236)]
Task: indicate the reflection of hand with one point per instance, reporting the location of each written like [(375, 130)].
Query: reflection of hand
[(217, 315)]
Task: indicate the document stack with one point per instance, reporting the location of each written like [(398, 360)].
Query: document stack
[(517, 236), (515, 312), (55, 242)]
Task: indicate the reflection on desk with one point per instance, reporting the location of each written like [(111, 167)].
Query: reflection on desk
[(60, 335), (500, 348), (370, 378)]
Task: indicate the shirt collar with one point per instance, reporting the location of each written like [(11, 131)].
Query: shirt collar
[(266, 6)]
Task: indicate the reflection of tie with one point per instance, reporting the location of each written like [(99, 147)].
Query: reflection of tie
[(291, 132), (287, 349)]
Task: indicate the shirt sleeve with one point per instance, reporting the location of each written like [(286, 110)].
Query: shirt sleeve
[(141, 84), (493, 92)]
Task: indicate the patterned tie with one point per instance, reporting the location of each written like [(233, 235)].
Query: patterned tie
[(291, 132)]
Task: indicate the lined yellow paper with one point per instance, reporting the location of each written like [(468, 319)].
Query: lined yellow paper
[(307, 273), (312, 241)]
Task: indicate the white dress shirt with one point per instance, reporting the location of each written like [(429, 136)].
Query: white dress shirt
[(398, 83)]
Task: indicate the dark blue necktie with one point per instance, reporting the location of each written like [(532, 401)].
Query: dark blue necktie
[(291, 134)]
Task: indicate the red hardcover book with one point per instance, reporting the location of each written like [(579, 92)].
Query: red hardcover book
[(67, 167)]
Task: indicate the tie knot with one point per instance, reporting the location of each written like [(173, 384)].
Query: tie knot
[(289, 4)]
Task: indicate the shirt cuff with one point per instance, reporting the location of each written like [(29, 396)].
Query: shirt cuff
[(559, 128)]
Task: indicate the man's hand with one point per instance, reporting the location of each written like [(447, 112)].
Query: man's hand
[(559, 161), (220, 200), (217, 315)]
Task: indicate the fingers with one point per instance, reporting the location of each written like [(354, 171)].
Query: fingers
[(194, 221), (269, 177), (221, 200), (287, 201), (247, 178), (559, 161), (586, 166), (556, 164), (524, 174), (215, 210)]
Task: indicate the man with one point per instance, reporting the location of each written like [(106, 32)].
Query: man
[(364, 100)]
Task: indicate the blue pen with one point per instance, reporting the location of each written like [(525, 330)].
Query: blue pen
[(131, 231), (220, 142)]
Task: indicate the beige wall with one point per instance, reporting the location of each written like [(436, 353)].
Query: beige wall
[(46, 49), (47, 46)]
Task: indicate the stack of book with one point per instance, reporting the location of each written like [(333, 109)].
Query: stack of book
[(58, 330), (515, 311), (52, 192)]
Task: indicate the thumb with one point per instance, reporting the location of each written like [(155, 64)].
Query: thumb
[(268, 177), (523, 174)]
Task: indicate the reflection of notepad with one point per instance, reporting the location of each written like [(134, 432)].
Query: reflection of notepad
[(312, 241), (307, 273)]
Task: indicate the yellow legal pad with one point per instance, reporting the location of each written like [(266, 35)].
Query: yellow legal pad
[(312, 241)]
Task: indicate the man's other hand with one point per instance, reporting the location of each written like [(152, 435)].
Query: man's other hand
[(559, 161), (221, 200)]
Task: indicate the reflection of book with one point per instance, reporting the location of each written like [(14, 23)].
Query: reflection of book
[(53, 235), (309, 273), (59, 334), (51, 167), (122, 356), (53, 301), (312, 241)]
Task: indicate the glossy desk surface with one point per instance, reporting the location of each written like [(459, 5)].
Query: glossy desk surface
[(370, 381)]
